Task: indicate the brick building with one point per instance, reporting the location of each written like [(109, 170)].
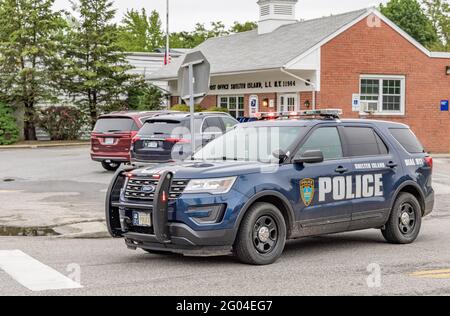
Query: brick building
[(359, 61)]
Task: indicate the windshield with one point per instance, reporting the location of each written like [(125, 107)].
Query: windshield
[(115, 125), (251, 143)]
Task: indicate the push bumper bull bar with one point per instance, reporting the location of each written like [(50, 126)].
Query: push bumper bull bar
[(167, 236)]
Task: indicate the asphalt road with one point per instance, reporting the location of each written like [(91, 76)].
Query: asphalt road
[(343, 264)]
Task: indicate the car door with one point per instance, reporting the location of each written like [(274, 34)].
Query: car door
[(323, 206), (374, 170)]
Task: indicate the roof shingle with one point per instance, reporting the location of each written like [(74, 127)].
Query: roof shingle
[(250, 51)]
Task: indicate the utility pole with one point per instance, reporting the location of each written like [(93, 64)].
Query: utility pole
[(167, 55)]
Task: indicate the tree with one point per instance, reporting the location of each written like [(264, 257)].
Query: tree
[(96, 72), (9, 133), (201, 33), (146, 97), (30, 33), (140, 32), (409, 15), (243, 27), (439, 13)]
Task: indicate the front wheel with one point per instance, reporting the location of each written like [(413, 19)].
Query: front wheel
[(262, 235), (110, 166), (405, 221)]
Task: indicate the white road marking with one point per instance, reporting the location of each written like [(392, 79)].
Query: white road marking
[(33, 274)]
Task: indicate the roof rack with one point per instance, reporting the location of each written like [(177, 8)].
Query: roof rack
[(331, 114)]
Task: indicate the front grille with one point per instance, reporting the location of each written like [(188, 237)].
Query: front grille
[(135, 189)]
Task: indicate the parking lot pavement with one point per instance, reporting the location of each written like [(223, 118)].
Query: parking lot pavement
[(344, 264), (54, 186)]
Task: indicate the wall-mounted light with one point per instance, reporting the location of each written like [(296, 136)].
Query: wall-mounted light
[(265, 102), (307, 104), (448, 71)]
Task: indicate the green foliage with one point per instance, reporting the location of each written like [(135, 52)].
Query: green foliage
[(9, 132), (186, 108), (145, 98), (62, 122), (96, 69), (30, 40), (243, 27), (217, 109), (201, 33), (439, 13), (409, 15), (140, 32)]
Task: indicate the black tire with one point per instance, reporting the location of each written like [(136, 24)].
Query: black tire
[(401, 228), (262, 235), (110, 166)]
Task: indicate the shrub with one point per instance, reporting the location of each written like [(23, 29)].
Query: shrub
[(9, 132), (62, 122), (185, 108), (217, 109)]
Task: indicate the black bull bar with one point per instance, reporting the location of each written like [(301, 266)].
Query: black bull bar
[(160, 206)]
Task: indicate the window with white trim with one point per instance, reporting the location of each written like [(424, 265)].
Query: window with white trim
[(383, 95), (234, 104)]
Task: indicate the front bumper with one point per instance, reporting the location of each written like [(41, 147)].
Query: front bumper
[(173, 229), (185, 241)]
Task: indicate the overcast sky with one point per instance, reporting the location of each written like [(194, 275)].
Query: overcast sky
[(186, 13)]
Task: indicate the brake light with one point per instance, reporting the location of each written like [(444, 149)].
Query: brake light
[(164, 197), (429, 162), (135, 139), (177, 140)]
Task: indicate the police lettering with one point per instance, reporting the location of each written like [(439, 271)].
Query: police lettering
[(347, 188)]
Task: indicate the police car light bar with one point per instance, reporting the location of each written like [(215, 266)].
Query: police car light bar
[(327, 113)]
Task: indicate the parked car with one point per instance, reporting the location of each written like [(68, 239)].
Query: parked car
[(112, 135), (166, 138)]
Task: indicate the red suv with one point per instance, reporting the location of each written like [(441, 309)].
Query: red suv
[(112, 135)]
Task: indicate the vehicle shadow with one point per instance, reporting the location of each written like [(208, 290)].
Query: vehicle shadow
[(306, 247)]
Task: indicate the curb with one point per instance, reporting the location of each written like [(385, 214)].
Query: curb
[(83, 230), (36, 146)]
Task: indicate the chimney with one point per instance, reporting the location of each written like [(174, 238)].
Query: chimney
[(275, 13)]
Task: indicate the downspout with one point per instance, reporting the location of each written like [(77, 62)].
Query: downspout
[(283, 70)]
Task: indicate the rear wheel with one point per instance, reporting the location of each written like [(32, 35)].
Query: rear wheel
[(405, 221), (110, 166), (262, 235)]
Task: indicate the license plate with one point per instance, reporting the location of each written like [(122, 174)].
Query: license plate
[(142, 219), (151, 144), (109, 141)]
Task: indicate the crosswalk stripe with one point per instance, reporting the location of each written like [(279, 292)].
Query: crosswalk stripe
[(431, 272), (33, 274)]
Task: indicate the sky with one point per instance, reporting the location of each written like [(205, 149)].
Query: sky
[(186, 13)]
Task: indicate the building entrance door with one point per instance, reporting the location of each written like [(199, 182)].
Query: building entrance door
[(288, 103)]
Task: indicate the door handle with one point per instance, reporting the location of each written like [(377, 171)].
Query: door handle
[(341, 169), (392, 164)]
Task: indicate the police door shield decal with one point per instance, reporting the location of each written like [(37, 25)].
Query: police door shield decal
[(307, 191)]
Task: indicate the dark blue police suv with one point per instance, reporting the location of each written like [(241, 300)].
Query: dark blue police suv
[(266, 182)]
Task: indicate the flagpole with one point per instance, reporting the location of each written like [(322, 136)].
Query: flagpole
[(167, 58)]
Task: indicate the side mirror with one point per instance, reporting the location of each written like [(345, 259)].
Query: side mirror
[(280, 154), (310, 156)]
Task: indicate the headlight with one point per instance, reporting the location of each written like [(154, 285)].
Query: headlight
[(212, 186)]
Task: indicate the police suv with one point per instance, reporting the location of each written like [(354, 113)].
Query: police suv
[(269, 181)]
